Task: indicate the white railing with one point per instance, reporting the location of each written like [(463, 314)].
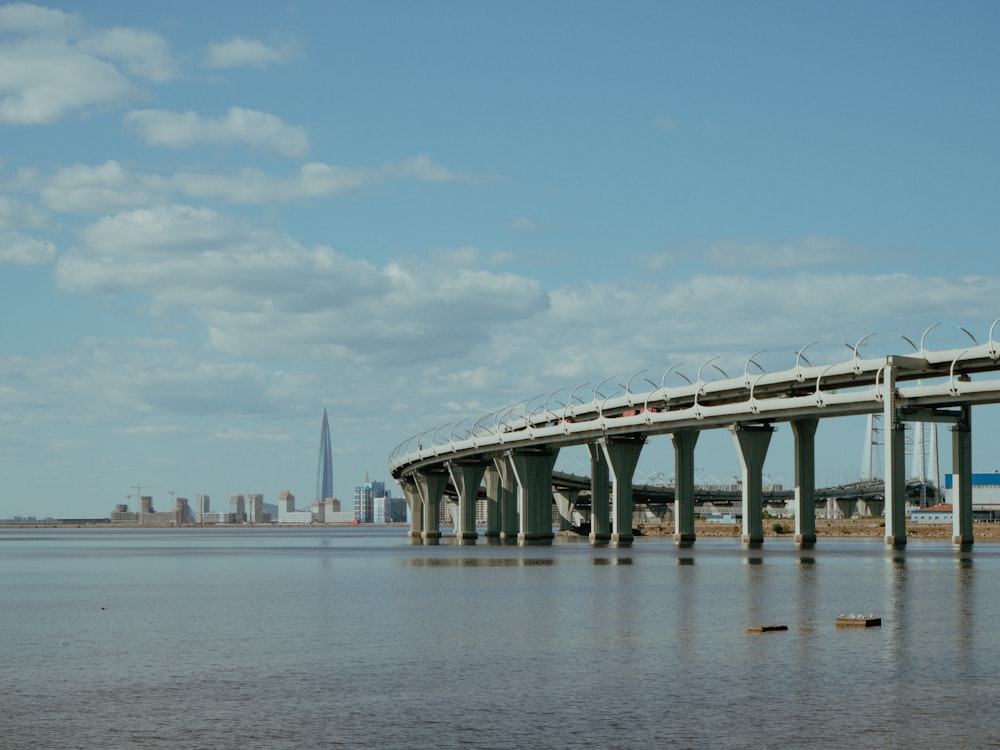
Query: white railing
[(856, 386)]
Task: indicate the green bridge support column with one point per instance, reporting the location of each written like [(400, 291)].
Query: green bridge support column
[(466, 476), (804, 431), (491, 478), (416, 506), (752, 442), (533, 474), (894, 440), (431, 485), (684, 443), (565, 502), (622, 455), (961, 467), (600, 508), (507, 499)]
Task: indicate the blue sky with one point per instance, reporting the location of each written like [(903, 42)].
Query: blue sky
[(218, 218)]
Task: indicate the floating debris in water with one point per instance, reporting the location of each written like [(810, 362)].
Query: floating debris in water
[(766, 628), (854, 620)]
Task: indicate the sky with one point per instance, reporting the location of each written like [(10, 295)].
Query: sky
[(218, 219)]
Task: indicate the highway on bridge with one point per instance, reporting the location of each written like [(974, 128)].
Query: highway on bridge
[(513, 450)]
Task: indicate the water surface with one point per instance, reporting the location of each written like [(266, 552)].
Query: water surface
[(340, 637)]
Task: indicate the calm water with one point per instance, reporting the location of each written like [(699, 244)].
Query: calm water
[(312, 638)]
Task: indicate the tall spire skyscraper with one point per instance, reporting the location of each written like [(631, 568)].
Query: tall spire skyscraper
[(324, 471)]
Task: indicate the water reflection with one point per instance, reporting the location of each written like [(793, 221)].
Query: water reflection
[(965, 579), (475, 562), (612, 561)]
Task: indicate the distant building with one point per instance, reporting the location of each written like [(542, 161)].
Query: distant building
[(985, 491), (388, 509), (147, 516), (324, 469), (255, 509), (374, 504), (210, 519), (329, 512), (238, 507), (932, 515), (364, 500), (201, 508), (287, 512)]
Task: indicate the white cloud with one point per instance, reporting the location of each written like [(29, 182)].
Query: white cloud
[(603, 329), (422, 167), (43, 80), (143, 53), (111, 187), (51, 66), (254, 186), (15, 214), (767, 256), (259, 292), (108, 187), (18, 249), (25, 18), (524, 224), (237, 52), (239, 125), (656, 262)]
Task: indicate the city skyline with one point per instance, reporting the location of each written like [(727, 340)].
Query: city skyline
[(212, 225)]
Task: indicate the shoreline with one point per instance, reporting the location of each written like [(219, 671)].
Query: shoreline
[(773, 528)]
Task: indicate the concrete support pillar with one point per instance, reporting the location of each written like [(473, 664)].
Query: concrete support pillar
[(752, 442), (533, 474), (431, 485), (804, 431), (507, 498), (566, 503), (684, 443), (961, 467), (600, 509), (894, 440), (466, 476), (491, 478), (622, 455), (415, 505)]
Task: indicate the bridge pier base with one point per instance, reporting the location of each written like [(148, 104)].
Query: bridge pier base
[(415, 506), (506, 499), (684, 443), (600, 508), (466, 476), (533, 474), (804, 431), (752, 442), (431, 485), (961, 463), (622, 455)]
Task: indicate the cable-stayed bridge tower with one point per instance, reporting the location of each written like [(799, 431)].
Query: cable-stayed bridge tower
[(324, 469), (921, 445)]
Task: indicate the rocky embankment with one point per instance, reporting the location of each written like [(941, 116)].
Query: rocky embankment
[(870, 527)]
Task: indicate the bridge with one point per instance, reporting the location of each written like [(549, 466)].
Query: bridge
[(864, 497), (513, 451)]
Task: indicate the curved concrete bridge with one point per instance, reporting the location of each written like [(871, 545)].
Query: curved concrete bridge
[(514, 450)]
